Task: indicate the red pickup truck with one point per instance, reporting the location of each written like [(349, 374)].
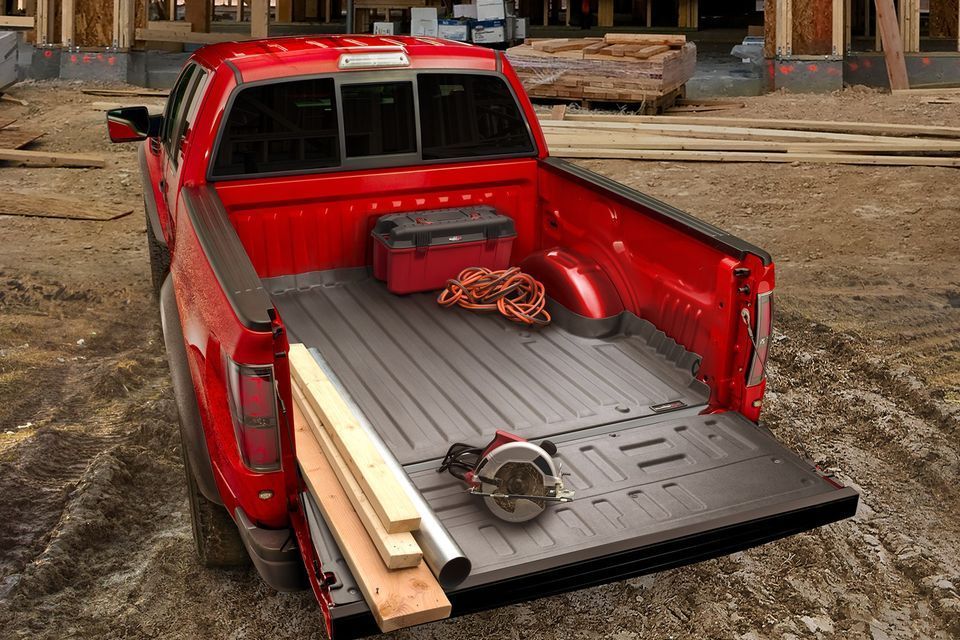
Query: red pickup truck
[(263, 179)]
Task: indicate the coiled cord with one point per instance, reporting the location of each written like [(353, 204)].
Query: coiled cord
[(517, 295)]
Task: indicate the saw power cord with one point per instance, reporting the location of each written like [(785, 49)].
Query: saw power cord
[(517, 295), (460, 458)]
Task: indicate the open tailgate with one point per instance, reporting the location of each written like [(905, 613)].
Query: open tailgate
[(651, 494)]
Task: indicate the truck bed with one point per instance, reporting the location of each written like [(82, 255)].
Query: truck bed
[(427, 377), (657, 483)]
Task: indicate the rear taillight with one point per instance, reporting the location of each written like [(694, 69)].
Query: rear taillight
[(760, 333), (253, 405)]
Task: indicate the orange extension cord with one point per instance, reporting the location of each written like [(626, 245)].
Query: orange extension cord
[(517, 295)]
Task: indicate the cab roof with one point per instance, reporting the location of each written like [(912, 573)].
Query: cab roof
[(255, 60)]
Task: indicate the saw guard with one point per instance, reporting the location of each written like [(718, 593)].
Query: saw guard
[(511, 457)]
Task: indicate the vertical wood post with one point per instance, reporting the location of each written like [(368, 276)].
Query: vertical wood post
[(259, 18), (67, 22), (198, 13), (838, 32), (123, 23), (43, 21), (784, 28)]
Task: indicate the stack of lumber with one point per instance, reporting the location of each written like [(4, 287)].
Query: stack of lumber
[(625, 67), (685, 138), (363, 505)]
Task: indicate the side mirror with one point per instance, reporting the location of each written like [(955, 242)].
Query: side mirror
[(130, 124)]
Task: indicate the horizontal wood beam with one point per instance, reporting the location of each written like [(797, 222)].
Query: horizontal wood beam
[(168, 35), (18, 22)]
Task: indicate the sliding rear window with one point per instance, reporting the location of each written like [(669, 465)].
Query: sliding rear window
[(469, 115), (303, 126), (287, 126)]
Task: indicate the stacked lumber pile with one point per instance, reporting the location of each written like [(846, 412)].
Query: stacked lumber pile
[(684, 138), (624, 67), (367, 511)]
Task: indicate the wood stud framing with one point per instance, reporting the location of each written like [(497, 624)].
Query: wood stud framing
[(784, 28), (259, 18)]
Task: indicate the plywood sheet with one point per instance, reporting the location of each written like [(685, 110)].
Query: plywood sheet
[(812, 27), (93, 23)]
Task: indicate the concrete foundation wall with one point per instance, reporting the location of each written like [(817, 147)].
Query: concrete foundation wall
[(870, 69), (805, 76)]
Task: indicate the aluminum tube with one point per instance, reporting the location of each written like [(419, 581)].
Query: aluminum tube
[(444, 556)]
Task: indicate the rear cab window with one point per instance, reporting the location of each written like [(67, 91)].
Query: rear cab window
[(345, 122)]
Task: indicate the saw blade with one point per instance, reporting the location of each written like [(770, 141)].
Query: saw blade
[(519, 478)]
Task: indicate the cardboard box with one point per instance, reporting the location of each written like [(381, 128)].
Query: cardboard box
[(423, 21), (488, 32), (387, 28), (465, 11), (491, 10), (458, 30)]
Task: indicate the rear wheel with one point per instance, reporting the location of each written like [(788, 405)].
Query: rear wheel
[(215, 535)]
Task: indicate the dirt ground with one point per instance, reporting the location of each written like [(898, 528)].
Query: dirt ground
[(865, 380)]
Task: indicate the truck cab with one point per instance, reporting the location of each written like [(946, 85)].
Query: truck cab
[(263, 179)]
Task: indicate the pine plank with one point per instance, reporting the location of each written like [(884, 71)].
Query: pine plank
[(746, 156), (15, 203), (397, 550), (673, 40), (892, 44), (397, 598), (652, 141), (51, 159), (817, 126), (379, 485)]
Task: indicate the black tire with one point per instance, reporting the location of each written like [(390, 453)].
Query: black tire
[(159, 259), (215, 535)]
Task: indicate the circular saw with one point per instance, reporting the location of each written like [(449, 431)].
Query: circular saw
[(516, 478)]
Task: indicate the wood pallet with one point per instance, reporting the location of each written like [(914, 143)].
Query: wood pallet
[(648, 69)]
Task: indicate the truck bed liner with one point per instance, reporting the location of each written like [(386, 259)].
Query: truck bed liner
[(653, 490), (426, 377)]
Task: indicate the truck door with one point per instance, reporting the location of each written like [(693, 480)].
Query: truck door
[(180, 113)]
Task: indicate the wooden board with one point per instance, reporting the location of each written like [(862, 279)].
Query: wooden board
[(379, 485), (834, 126), (51, 159), (15, 138), (164, 35), (618, 140), (737, 156), (398, 550), (147, 93), (13, 203), (397, 598), (892, 46), (17, 22), (673, 40)]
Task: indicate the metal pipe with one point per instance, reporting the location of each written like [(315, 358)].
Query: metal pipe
[(442, 554)]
